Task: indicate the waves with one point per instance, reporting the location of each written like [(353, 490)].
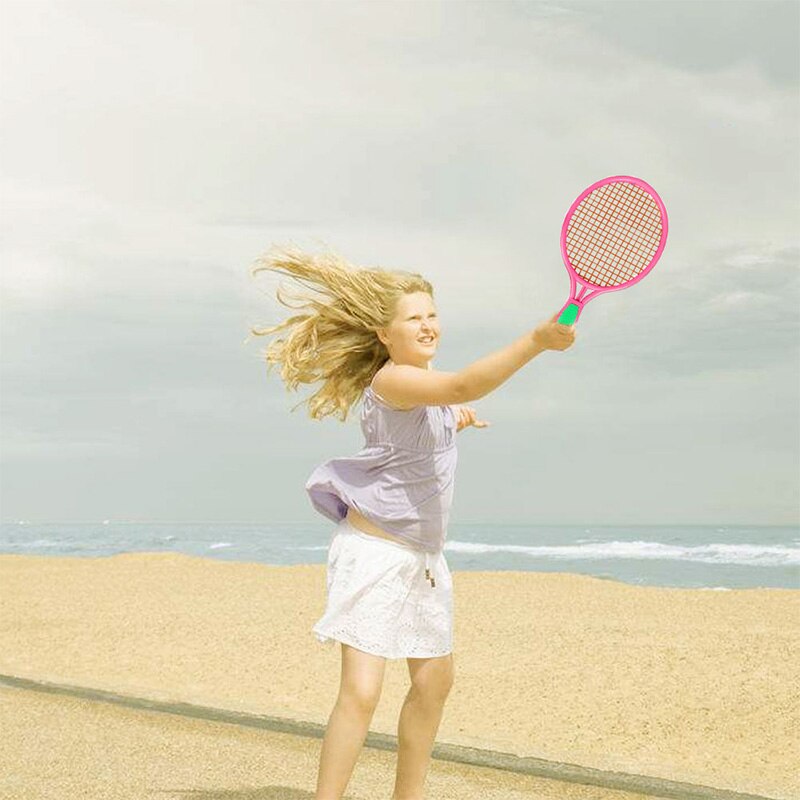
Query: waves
[(744, 554), (708, 556)]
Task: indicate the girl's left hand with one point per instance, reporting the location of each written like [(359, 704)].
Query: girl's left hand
[(466, 417)]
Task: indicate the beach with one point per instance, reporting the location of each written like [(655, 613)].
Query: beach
[(689, 685)]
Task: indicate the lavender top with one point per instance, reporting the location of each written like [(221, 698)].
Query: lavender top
[(402, 479)]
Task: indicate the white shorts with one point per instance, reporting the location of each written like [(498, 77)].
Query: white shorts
[(380, 601)]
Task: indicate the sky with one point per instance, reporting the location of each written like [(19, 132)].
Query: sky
[(152, 151)]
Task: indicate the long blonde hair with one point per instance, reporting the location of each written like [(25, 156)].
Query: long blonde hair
[(335, 341)]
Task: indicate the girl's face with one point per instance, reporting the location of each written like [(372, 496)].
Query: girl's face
[(415, 320)]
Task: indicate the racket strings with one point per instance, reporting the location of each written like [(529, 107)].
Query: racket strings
[(614, 234)]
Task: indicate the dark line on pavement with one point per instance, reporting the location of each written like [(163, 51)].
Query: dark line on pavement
[(543, 768)]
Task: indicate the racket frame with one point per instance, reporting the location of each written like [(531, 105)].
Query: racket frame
[(571, 310)]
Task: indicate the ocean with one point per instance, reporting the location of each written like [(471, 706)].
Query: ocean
[(703, 556)]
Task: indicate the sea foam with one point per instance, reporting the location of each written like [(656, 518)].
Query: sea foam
[(747, 554)]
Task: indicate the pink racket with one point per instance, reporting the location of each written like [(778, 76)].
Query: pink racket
[(612, 236)]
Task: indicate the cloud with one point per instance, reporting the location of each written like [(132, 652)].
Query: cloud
[(736, 310), (152, 151), (701, 36)]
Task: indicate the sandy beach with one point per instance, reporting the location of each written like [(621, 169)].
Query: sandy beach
[(63, 748), (682, 684)]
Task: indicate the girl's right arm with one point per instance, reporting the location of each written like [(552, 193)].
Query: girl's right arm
[(487, 373), (407, 386)]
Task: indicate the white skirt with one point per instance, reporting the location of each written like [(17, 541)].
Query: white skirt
[(380, 600)]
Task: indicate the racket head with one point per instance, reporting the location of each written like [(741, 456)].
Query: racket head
[(614, 233)]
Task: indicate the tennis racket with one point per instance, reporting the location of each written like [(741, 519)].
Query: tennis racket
[(612, 236)]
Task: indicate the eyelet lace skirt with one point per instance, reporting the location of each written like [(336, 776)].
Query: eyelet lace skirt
[(380, 599)]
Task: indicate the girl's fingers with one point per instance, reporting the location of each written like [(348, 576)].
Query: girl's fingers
[(467, 417)]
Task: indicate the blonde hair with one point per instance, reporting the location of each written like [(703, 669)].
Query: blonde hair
[(335, 341)]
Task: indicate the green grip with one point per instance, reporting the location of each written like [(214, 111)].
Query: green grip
[(569, 314)]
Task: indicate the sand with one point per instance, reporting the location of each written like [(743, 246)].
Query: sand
[(682, 684), (62, 748)]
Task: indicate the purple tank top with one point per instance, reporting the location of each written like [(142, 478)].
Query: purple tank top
[(401, 480)]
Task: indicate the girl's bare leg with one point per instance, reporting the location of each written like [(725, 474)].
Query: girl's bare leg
[(359, 692), (431, 679)]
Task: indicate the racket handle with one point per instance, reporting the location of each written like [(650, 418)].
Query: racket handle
[(569, 314)]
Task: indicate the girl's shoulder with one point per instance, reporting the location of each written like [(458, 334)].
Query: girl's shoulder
[(374, 387)]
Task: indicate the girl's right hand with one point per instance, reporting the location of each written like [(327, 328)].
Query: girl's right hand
[(552, 335)]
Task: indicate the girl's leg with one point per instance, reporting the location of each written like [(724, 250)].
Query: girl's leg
[(359, 692), (431, 679)]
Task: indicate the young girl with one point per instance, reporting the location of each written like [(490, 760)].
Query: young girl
[(389, 587)]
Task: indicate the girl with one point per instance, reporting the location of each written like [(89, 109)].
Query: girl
[(389, 587)]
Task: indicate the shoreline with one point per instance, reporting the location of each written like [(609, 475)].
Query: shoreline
[(322, 564)]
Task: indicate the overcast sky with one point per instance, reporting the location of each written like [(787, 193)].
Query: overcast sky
[(152, 150)]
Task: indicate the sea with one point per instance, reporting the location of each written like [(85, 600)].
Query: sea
[(710, 557)]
